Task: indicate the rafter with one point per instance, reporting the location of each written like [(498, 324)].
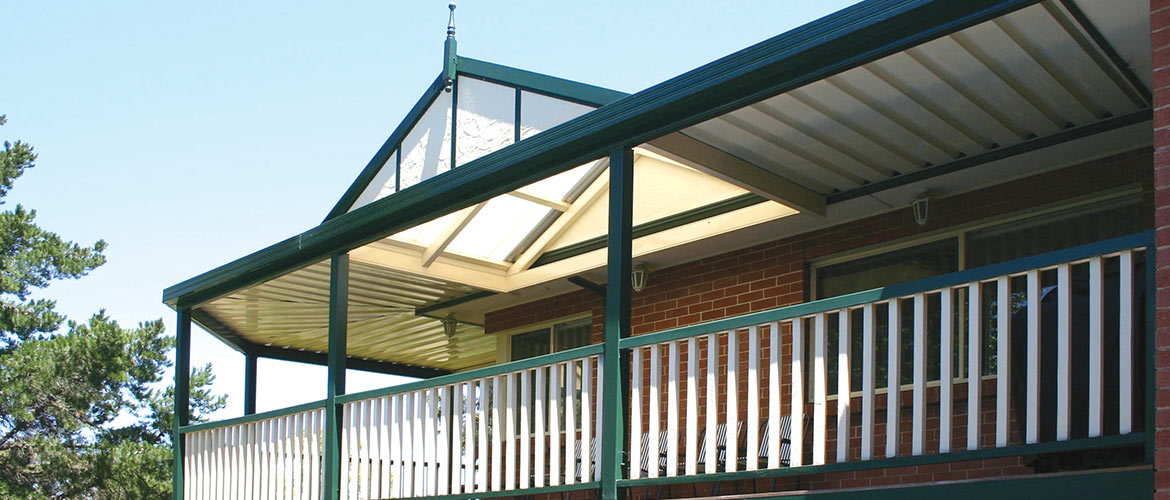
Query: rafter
[(449, 233), (554, 231), (557, 205), (729, 168)]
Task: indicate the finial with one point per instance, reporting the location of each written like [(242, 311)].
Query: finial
[(449, 57), (451, 22)]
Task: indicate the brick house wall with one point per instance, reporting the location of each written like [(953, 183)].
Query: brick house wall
[(775, 274), (1160, 45)]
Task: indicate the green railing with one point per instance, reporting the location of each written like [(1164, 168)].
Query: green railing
[(532, 426)]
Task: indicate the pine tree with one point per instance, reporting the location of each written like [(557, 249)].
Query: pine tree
[(81, 411)]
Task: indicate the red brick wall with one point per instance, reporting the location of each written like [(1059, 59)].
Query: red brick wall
[(1160, 43), (773, 274)]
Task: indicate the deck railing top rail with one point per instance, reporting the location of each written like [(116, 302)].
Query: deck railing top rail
[(983, 273)]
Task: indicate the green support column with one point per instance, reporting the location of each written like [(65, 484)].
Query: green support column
[(615, 376), (182, 393), (338, 318), (250, 383)]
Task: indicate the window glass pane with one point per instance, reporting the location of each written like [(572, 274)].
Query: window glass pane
[(1050, 232), (889, 268), (530, 344), (573, 334)]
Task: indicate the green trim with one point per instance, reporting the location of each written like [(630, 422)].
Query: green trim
[(560, 88), (250, 360), (851, 37), (618, 293), (655, 226), (392, 144), (517, 493), (489, 371), (904, 461), (422, 311), (900, 290), (335, 384), (966, 162), (182, 404), (551, 86), (352, 363), (255, 417), (1110, 53)]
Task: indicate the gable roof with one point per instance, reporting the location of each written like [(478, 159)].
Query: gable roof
[(558, 88)]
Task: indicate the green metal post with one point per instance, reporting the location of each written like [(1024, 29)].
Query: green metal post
[(182, 394), (250, 383), (338, 318), (618, 290)]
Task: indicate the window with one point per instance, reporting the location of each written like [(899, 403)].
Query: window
[(974, 246), (553, 338)]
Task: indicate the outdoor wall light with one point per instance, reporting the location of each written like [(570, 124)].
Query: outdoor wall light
[(449, 324), (921, 205), (638, 276)]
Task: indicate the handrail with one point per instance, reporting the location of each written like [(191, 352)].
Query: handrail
[(899, 290), (253, 417), (488, 371)]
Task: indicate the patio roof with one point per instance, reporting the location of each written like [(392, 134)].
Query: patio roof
[(834, 119)]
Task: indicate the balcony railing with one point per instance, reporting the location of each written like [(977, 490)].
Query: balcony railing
[(1042, 354)]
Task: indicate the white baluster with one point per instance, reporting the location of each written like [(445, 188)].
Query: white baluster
[(635, 445), (672, 411), (753, 400), (893, 377), (974, 361), (1032, 405), (1125, 342), (843, 384), (692, 432), (946, 373), (1003, 365), (654, 411)]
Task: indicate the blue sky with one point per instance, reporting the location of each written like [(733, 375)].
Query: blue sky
[(188, 135)]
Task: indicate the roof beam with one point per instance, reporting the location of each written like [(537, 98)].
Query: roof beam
[(554, 231), (732, 169), (367, 365), (449, 233), (559, 206)]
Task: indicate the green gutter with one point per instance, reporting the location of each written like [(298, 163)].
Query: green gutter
[(854, 36)]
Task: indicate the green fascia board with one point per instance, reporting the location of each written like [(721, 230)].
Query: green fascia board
[(851, 37), (1134, 241), (371, 169), (581, 93), (352, 363)]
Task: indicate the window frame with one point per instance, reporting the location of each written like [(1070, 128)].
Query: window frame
[(504, 337)]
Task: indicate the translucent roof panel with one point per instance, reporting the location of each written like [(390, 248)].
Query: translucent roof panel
[(560, 186), (498, 228), (426, 233)]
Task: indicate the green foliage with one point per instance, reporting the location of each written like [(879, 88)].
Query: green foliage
[(81, 415)]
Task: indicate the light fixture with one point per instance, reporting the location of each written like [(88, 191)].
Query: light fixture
[(921, 205), (449, 324), (638, 276)]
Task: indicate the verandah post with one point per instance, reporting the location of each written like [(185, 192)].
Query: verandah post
[(182, 394), (618, 292), (250, 383), (338, 318)]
